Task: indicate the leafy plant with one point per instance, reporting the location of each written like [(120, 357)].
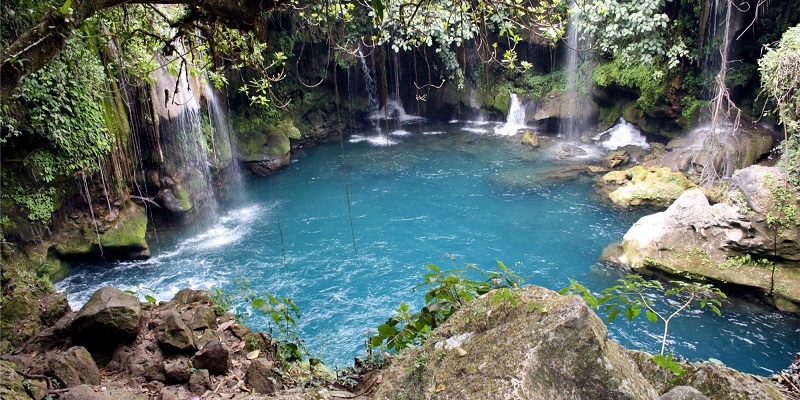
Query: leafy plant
[(143, 290), (670, 363), (283, 313), (630, 297), (448, 291)]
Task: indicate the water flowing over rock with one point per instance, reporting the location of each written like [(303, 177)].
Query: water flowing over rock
[(729, 242), (547, 347), (109, 317)]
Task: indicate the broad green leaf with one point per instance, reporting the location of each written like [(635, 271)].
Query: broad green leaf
[(651, 316)]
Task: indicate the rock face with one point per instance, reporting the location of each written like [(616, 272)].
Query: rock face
[(728, 242), (124, 238), (109, 317), (727, 153), (265, 149), (73, 367), (644, 186), (557, 348)]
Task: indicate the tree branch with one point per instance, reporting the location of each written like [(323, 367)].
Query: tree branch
[(42, 43)]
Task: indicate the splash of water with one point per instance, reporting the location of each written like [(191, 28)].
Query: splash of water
[(622, 134), (515, 120)]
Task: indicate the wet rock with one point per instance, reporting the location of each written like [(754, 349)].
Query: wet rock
[(200, 381), (616, 158), (214, 358), (172, 203), (200, 317), (183, 296), (695, 237), (568, 150), (683, 393), (73, 367), (530, 139), (173, 334), (645, 186), (262, 378), (109, 317), (556, 348)]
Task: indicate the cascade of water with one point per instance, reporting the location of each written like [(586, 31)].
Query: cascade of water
[(515, 120), (622, 134), (575, 117), (394, 110), (184, 153), (223, 141), (369, 82)]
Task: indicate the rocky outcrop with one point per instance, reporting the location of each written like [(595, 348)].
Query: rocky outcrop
[(561, 105), (73, 367), (725, 151), (108, 318), (266, 148), (637, 186), (729, 242), (117, 236), (548, 347)]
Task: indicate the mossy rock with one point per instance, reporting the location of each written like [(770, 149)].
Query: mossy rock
[(647, 186), (125, 240), (270, 141)]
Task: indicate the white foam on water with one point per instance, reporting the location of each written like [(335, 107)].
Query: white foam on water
[(377, 140), (623, 134), (433, 133), (400, 132), (515, 120), (475, 130)]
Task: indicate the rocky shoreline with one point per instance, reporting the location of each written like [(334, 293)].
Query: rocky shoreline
[(547, 346)]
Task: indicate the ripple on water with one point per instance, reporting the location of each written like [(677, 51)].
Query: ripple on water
[(456, 193)]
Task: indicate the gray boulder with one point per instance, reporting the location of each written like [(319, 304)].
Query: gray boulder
[(213, 357), (173, 334), (683, 393), (261, 377), (73, 367), (548, 347), (109, 318)]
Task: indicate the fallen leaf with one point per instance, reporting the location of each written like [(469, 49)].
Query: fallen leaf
[(253, 354)]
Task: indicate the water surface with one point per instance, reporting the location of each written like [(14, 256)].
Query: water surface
[(424, 194)]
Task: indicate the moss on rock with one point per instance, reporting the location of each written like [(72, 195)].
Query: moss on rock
[(653, 186)]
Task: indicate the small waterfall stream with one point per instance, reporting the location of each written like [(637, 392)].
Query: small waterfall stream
[(176, 102), (574, 120), (223, 141), (369, 83), (515, 119)]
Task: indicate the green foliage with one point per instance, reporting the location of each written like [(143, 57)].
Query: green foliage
[(283, 313), (38, 204), (643, 78), (222, 301), (62, 110), (143, 290), (780, 79), (670, 363), (632, 296), (636, 32), (538, 86), (448, 291)]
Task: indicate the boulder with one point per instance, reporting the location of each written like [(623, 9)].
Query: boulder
[(124, 239), (719, 382), (200, 381), (214, 357), (109, 318), (266, 148), (727, 242), (725, 151), (683, 393), (530, 139), (262, 378), (547, 347), (177, 370), (73, 367), (568, 150), (86, 392), (200, 317), (11, 383), (644, 186), (616, 158), (173, 334)]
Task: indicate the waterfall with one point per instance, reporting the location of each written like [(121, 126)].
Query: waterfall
[(574, 116), (515, 120), (394, 110), (622, 134), (223, 142), (186, 176), (369, 82)]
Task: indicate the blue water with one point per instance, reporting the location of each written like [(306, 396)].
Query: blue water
[(423, 195)]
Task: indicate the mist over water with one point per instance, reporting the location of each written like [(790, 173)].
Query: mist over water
[(436, 190)]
